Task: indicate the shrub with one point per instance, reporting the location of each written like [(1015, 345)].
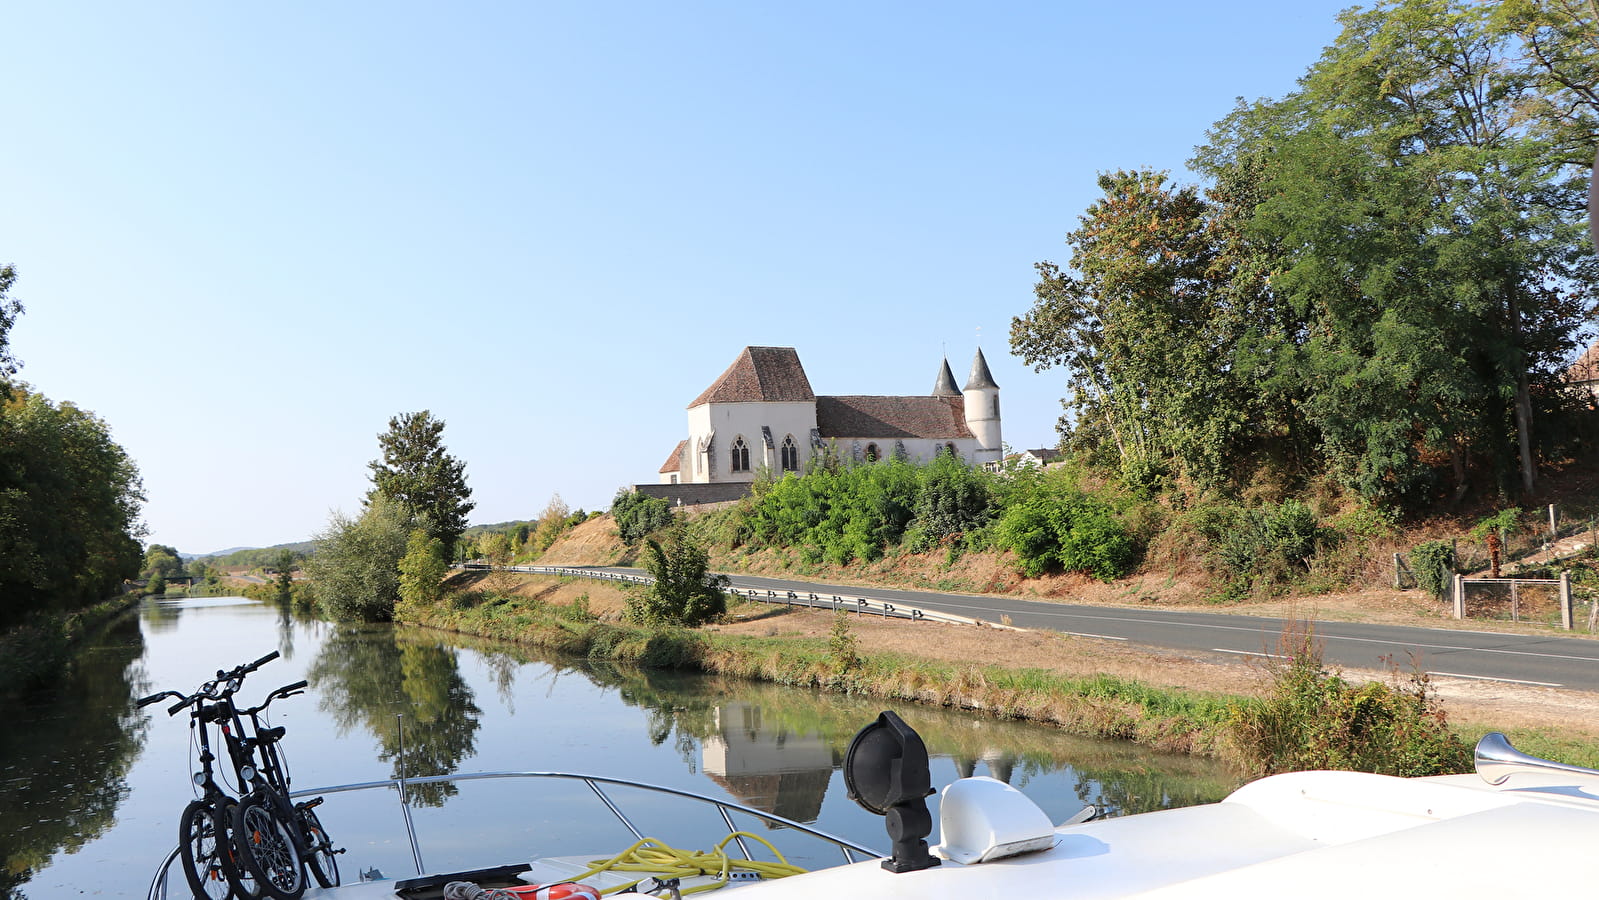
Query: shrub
[(1259, 546), (1052, 525), (685, 591), (638, 515), (1431, 562), (1314, 719), (356, 564)]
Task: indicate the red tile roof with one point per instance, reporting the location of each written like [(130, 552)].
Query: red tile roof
[(674, 463), (760, 374), (937, 418)]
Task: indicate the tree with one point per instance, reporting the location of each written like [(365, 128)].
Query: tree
[(685, 591), (422, 569), (1382, 283), (427, 484), (69, 508), (163, 561), (356, 566), (285, 579), (10, 309), (552, 522)]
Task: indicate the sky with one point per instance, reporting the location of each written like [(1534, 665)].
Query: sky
[(247, 235)]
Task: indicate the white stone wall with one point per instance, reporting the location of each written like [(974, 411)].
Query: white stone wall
[(917, 450), (729, 421)]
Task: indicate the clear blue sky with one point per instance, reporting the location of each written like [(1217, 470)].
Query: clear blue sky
[(246, 235)]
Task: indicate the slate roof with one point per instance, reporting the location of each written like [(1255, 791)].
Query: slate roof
[(674, 463), (945, 386), (980, 377), (937, 418), (760, 374)]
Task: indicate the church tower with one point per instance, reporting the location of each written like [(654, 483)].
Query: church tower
[(982, 411)]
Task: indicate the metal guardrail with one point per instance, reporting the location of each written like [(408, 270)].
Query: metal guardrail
[(872, 606), (596, 783)]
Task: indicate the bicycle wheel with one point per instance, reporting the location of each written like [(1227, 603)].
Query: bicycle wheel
[(201, 845), (324, 864), (245, 887), (266, 846)]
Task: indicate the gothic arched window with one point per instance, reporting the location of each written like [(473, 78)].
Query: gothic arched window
[(872, 455), (790, 455), (741, 455)]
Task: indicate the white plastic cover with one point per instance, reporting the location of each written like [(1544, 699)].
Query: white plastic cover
[(983, 819)]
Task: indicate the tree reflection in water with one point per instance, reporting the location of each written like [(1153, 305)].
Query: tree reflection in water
[(82, 736), (367, 677), (692, 711)]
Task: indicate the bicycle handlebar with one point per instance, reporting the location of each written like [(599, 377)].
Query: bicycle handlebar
[(208, 691)]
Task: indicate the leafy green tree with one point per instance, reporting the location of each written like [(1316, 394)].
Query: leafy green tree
[(553, 522), (69, 508), (638, 515), (356, 567), (953, 499), (285, 579), (10, 309), (422, 570), (163, 561), (685, 591), (423, 480)]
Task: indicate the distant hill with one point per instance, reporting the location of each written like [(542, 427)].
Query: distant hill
[(253, 556)]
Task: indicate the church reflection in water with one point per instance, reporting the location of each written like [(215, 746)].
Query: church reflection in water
[(787, 773), (771, 769)]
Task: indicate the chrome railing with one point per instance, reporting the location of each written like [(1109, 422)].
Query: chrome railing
[(850, 850)]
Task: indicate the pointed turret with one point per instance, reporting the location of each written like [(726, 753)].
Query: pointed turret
[(981, 396), (945, 386), (980, 377)]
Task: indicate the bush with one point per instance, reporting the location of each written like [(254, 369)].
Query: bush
[(639, 515), (1431, 562), (685, 592), (356, 567), (1259, 546), (1052, 525), (1314, 719)]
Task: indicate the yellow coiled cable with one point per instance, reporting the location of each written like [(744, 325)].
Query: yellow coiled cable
[(654, 858)]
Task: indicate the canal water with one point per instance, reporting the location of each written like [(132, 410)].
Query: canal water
[(91, 788)]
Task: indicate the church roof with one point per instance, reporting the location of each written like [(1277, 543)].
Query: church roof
[(937, 418), (945, 386), (980, 377), (760, 374), (674, 463)]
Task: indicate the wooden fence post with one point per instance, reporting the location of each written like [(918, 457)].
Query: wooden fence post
[(1565, 600), (1458, 585), (1554, 528), (1397, 585)]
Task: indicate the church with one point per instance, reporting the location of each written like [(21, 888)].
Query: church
[(762, 415)]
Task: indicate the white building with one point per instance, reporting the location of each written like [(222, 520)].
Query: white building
[(762, 414)]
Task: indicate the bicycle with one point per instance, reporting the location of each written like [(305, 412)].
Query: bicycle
[(210, 856), (262, 841), (277, 831)]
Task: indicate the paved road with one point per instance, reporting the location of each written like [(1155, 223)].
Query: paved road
[(1519, 658)]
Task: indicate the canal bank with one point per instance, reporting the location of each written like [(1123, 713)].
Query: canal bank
[(1051, 679)]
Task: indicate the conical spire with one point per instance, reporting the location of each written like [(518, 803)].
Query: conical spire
[(945, 387), (980, 377)]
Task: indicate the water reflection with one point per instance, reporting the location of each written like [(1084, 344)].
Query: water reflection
[(63, 776), (776, 748), (383, 679)]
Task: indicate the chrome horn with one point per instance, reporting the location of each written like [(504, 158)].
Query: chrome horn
[(1497, 760)]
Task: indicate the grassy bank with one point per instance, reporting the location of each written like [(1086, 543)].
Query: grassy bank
[(37, 650), (1312, 719)]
